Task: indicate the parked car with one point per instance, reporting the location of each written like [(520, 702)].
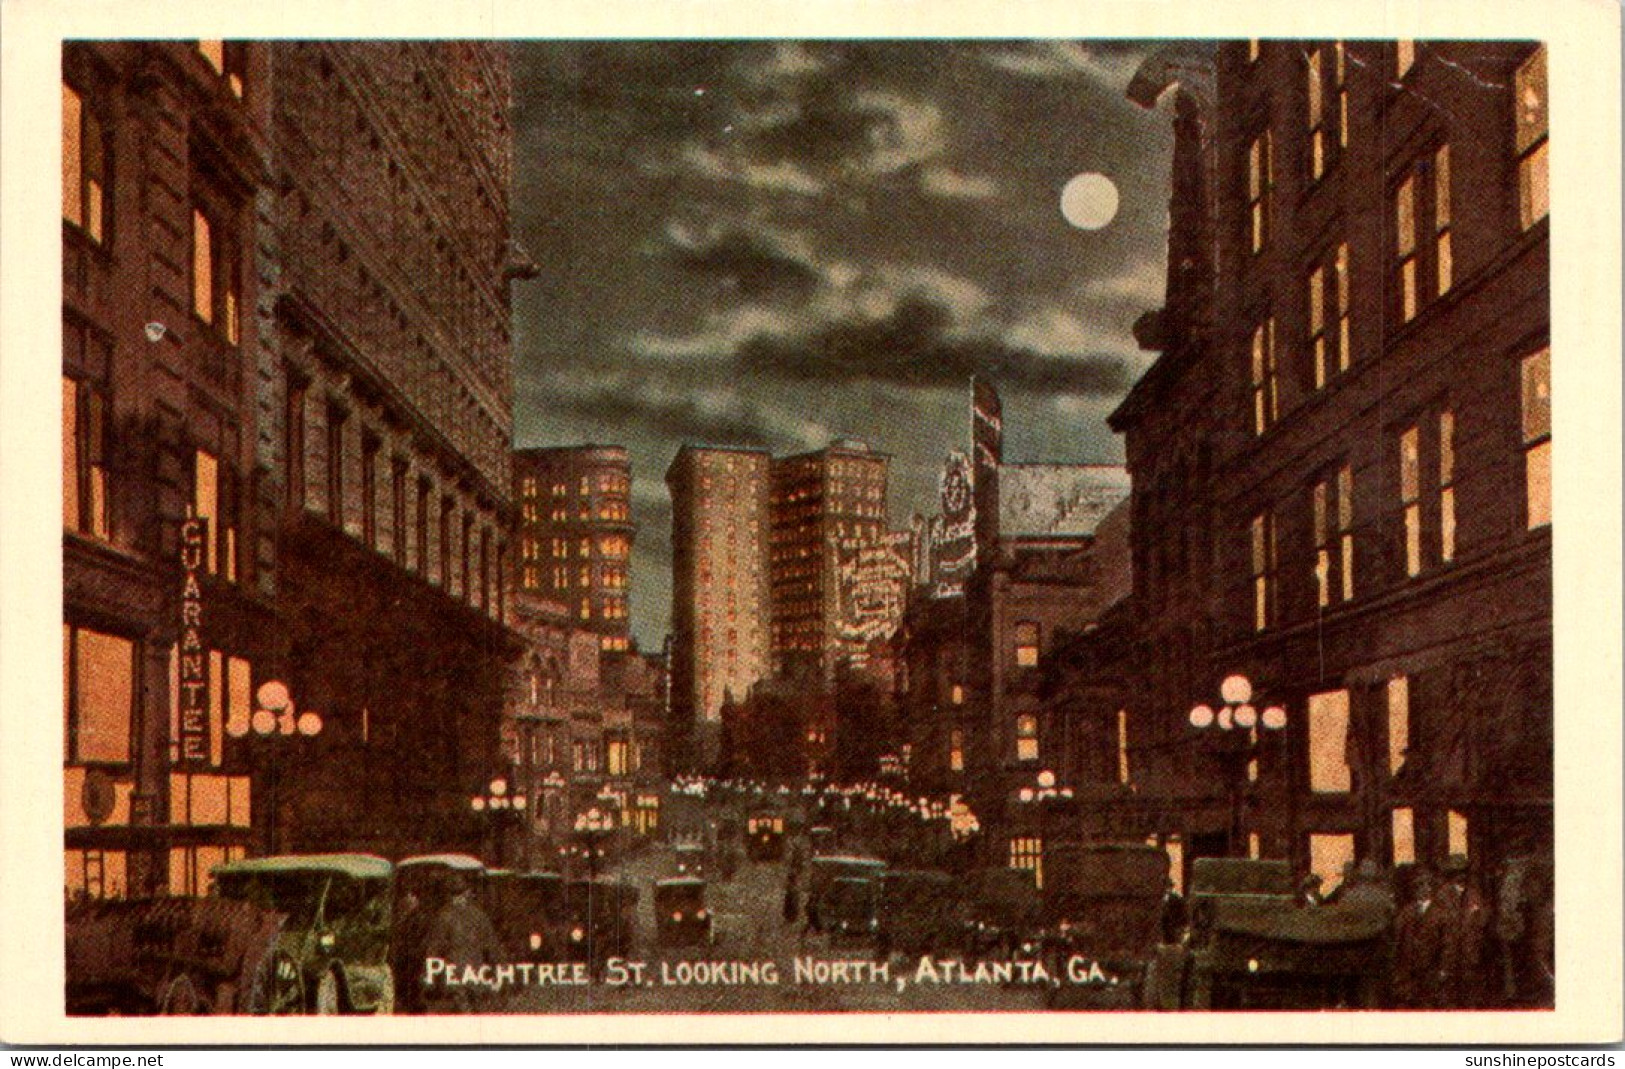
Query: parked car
[(1000, 912), (1254, 946), (919, 910), (529, 912), (1103, 902), (681, 916), (602, 919), (333, 953), (850, 908), (691, 859), (170, 955), (823, 872)]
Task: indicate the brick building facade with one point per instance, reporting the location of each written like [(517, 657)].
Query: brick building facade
[(575, 533)]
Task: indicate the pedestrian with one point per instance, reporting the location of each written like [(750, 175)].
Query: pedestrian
[(1418, 948), (461, 935), (1174, 914), (406, 952), (1465, 917)]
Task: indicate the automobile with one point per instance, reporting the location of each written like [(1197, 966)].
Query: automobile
[(681, 916), (822, 872), (602, 918), (1254, 946), (764, 837), (1103, 902), (821, 840), (429, 877), (691, 859), (529, 913), (333, 952), (1000, 911), (171, 955), (849, 909), (918, 908)]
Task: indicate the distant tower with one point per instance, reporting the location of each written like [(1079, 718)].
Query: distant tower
[(575, 534), (720, 615)]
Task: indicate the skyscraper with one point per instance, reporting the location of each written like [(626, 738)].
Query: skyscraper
[(575, 534), (831, 593), (721, 642)]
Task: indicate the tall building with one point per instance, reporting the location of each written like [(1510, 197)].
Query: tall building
[(1342, 456), (721, 621), (168, 562), (829, 546), (575, 534), (385, 412)]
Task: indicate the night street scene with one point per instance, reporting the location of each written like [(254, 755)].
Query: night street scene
[(806, 526)]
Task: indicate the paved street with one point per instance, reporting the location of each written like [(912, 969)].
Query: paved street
[(754, 946)]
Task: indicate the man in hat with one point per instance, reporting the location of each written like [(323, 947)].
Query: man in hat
[(461, 935)]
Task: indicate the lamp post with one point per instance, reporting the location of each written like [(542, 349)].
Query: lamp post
[(593, 827), (274, 720), (1041, 797), (1235, 732), (499, 804)]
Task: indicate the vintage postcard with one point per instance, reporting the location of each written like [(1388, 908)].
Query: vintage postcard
[(1063, 526)]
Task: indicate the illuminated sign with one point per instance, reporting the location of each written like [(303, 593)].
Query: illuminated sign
[(872, 578), (193, 728), (953, 534)]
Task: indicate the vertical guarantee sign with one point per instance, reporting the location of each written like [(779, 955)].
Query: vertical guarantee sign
[(194, 661)]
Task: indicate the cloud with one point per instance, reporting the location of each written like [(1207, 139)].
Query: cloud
[(947, 182), (782, 176), (659, 411), (1068, 59), (915, 346), (753, 263)]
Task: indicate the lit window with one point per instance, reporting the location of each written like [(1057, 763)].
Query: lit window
[(1026, 738), (1404, 57), (216, 294), (206, 502), (84, 165), (96, 874), (1260, 184), (1345, 528), (1328, 740), (1316, 90), (1329, 299), (101, 695), (956, 750), (956, 694), (1537, 437), (84, 459), (1344, 351), (1399, 722), (1263, 569), (1405, 246), (1323, 555), (1410, 494), (1456, 831), (1266, 388), (1443, 258), (1026, 645), (1447, 489), (1122, 746), (1530, 139), (1404, 836), (616, 757), (1329, 856), (1027, 852), (1252, 50)]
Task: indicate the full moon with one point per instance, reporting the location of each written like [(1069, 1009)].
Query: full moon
[(1089, 201)]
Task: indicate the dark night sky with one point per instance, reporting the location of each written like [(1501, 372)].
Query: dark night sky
[(780, 243)]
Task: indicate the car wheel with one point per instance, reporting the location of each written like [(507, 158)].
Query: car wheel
[(287, 986), (329, 995), (180, 998)]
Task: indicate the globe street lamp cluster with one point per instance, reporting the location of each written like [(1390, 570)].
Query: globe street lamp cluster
[(498, 800), (274, 714), (1237, 710)]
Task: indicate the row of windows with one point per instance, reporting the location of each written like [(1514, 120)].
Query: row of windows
[(470, 561), (1427, 471), (1421, 213)]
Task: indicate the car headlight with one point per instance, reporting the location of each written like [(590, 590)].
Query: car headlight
[(677, 916), (701, 915), (535, 941), (873, 923), (285, 969), (326, 940), (577, 934)]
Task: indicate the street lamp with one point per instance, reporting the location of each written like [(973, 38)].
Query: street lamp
[(273, 719), (1233, 734), (593, 827), (499, 803)]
